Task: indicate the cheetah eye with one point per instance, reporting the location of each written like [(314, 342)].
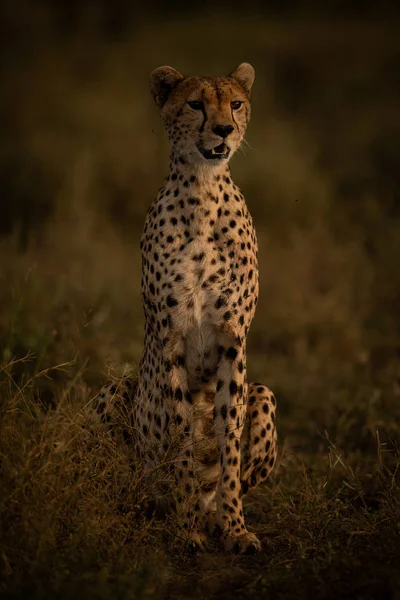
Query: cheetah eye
[(236, 104), (196, 104)]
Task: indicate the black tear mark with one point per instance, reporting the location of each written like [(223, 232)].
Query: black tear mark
[(203, 110), (233, 119)]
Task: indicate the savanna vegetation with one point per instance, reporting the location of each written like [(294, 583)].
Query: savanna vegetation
[(82, 154)]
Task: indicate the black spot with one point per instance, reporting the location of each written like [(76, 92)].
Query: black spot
[(224, 411), (233, 387), (227, 315), (220, 385), (220, 302), (231, 353), (171, 301)]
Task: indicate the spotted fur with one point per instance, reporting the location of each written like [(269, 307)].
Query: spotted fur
[(191, 400)]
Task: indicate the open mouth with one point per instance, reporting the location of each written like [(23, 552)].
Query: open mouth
[(219, 152)]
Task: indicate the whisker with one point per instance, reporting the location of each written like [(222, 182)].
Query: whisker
[(244, 141)]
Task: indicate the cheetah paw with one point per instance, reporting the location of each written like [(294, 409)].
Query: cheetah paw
[(244, 543), (193, 542)]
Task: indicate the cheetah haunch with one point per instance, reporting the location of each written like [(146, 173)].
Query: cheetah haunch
[(191, 400)]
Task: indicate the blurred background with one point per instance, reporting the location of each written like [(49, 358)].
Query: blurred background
[(83, 153)]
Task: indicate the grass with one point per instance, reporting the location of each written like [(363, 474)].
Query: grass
[(73, 514), (79, 164)]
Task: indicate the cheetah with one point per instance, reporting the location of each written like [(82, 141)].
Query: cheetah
[(191, 402)]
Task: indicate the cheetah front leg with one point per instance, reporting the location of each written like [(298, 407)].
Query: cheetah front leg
[(180, 399), (258, 449), (230, 414)]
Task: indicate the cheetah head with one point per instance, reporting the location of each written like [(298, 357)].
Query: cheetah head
[(205, 117)]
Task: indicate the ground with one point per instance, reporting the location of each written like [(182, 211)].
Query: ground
[(321, 181)]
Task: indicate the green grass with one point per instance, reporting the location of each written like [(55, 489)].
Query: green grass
[(79, 164)]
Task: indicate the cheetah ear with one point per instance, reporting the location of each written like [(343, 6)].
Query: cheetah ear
[(244, 74), (162, 82)]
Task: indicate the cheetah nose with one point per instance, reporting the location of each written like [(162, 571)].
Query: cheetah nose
[(223, 130)]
